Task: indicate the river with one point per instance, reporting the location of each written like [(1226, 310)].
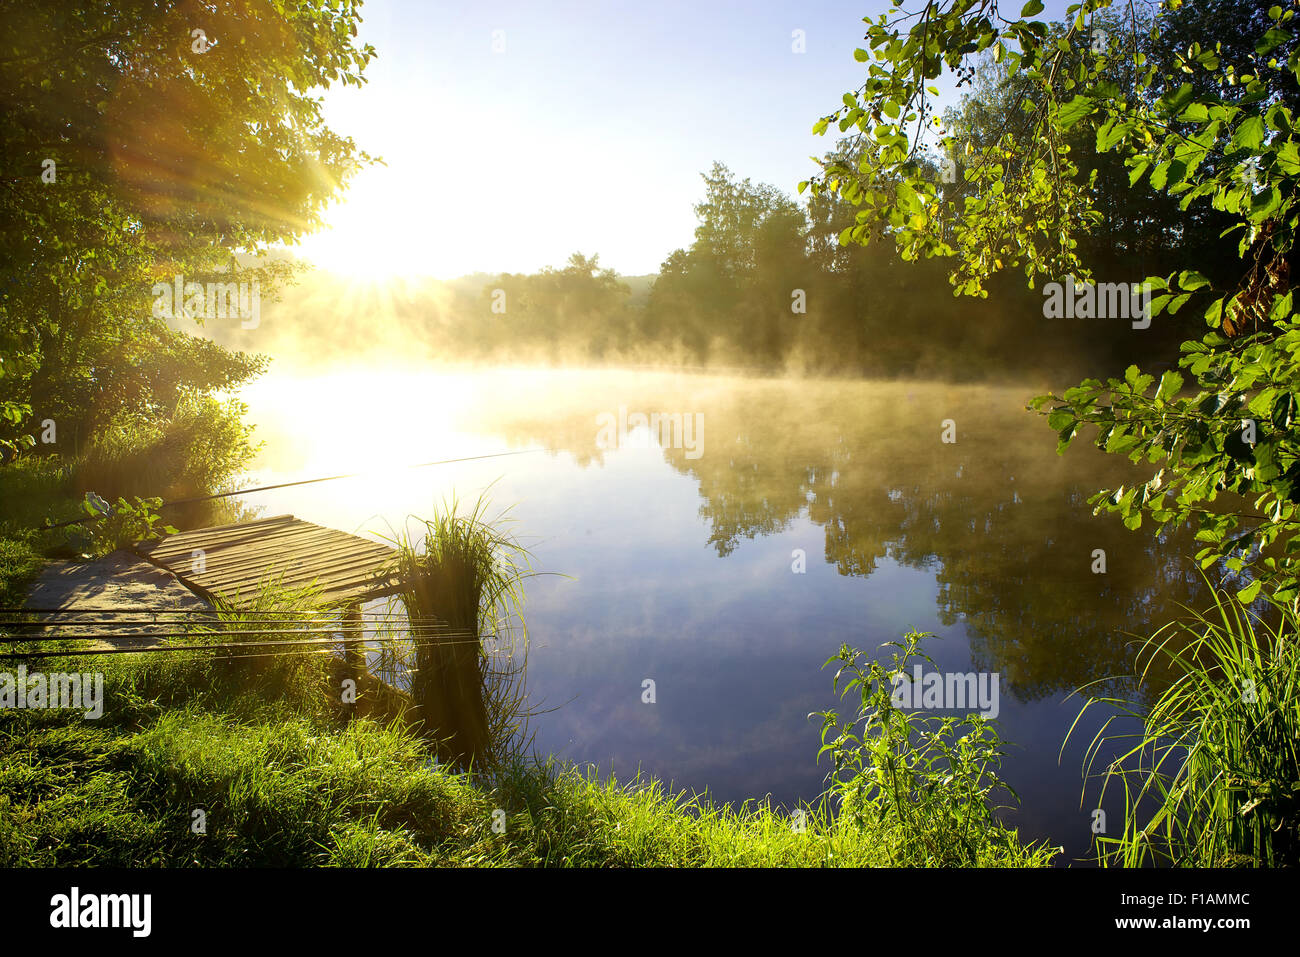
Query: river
[(726, 567)]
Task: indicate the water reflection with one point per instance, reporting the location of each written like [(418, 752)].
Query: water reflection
[(999, 520)]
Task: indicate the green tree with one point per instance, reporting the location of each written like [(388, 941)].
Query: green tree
[(736, 281), (142, 141)]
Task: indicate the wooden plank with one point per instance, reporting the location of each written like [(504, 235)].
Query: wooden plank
[(290, 575), (230, 560), (222, 529), (361, 568), (277, 534), (240, 558), (274, 553), (289, 571), (217, 533), (298, 539)]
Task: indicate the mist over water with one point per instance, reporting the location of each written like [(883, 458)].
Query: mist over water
[(682, 569)]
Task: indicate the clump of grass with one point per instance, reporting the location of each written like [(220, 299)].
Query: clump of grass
[(1214, 777), (926, 782), (461, 581), (278, 790), (247, 684)]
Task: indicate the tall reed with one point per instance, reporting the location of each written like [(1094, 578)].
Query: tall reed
[(1213, 779), (461, 581)]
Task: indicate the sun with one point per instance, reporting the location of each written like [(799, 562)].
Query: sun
[(381, 229), (364, 237)]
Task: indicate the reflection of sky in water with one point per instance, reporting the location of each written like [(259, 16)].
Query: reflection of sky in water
[(734, 644)]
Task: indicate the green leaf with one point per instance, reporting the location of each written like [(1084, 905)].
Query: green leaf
[(1059, 419), (1170, 383), (1249, 135), (1072, 112), (1287, 158), (1271, 40)]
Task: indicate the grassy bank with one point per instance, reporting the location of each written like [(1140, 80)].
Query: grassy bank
[(19, 565), (283, 778)]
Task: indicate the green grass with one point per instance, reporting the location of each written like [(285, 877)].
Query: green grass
[(289, 793), (33, 490), (19, 565)]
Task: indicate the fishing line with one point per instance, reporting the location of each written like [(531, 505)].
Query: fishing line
[(229, 647), (327, 478)]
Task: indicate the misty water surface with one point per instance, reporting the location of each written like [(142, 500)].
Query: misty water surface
[(680, 561)]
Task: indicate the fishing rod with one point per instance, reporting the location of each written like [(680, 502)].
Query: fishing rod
[(327, 478), (92, 619), (230, 646), (106, 635)]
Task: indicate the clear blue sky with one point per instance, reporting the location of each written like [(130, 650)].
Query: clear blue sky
[(588, 132)]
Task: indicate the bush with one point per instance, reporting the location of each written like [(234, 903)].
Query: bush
[(927, 782), (198, 450), (19, 564)]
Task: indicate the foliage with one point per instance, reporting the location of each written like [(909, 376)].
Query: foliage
[(764, 285), (19, 565), (1208, 123), (547, 313), (139, 152), (196, 448), (927, 780), (1214, 778), (283, 781), (34, 491), (118, 525)]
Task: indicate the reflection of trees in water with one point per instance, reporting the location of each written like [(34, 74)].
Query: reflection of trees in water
[(1001, 519)]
